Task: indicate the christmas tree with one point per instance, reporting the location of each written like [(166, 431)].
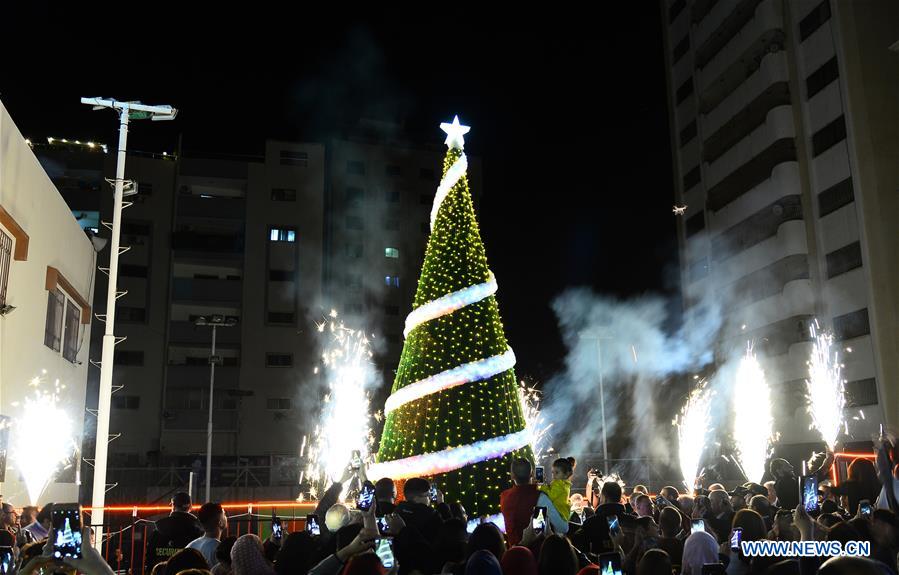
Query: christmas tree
[(454, 413)]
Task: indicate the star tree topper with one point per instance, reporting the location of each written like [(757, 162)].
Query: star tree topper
[(455, 133)]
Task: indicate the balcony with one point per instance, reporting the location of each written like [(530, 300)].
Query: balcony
[(183, 376), (771, 71), (777, 126), (790, 240), (186, 334), (782, 182), (721, 19), (757, 228), (206, 290), (740, 38), (194, 206), (773, 339), (751, 174), (196, 420), (208, 244)]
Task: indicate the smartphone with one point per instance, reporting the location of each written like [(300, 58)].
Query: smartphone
[(697, 525), (809, 493), (614, 526), (661, 501), (67, 525), (384, 551), (538, 521), (713, 569), (366, 496), (610, 564), (356, 459), (736, 537), (538, 474), (312, 525), (383, 527), (433, 494), (864, 508), (7, 561), (276, 527)]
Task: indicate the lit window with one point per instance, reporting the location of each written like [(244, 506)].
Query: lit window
[(392, 281), (282, 235), (391, 253)]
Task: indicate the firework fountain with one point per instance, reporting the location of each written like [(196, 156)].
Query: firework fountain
[(535, 422), (344, 425), (825, 387), (693, 425), (753, 422), (38, 464)]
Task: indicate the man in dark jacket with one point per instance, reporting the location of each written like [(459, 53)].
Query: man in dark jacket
[(416, 510), (385, 496), (595, 531), (173, 532)]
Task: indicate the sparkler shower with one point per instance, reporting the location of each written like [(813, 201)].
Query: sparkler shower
[(534, 421), (753, 422), (825, 387), (38, 466), (693, 425), (344, 425)]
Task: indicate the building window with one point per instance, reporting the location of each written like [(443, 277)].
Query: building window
[(828, 136), (278, 360), (695, 224), (835, 197), (5, 258), (691, 178), (128, 357), (688, 133), (820, 78), (354, 223), (281, 317), (392, 224), (393, 253), (393, 196), (850, 325), (681, 48), (284, 195), (354, 194), (277, 403), (355, 167), (56, 303), (392, 281), (131, 314), (282, 275), (844, 259), (675, 9), (393, 171), (120, 401), (391, 310), (426, 174), (282, 235), (354, 251), (294, 158), (70, 344), (815, 19), (684, 91), (132, 271), (860, 392)]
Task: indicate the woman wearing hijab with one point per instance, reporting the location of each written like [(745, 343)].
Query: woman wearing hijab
[(699, 549), (482, 562), (519, 561), (248, 558)]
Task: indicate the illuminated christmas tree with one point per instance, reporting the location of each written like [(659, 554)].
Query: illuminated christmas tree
[(454, 414)]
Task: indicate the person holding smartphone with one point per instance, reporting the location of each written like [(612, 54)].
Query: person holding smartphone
[(416, 511)]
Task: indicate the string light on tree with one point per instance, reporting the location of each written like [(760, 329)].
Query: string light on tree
[(455, 413)]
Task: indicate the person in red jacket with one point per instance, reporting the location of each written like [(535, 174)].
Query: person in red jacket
[(517, 503)]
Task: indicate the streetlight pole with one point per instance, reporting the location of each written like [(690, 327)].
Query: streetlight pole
[(215, 321), (602, 399), (127, 111)]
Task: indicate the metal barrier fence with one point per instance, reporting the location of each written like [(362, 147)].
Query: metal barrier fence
[(127, 530)]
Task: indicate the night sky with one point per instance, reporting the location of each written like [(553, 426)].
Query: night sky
[(568, 113)]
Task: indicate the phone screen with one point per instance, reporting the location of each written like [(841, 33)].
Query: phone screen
[(697, 525), (614, 527), (610, 564), (661, 501), (539, 519), (67, 524), (736, 536), (356, 462), (366, 496), (538, 474), (383, 527), (384, 551), (312, 525), (810, 493), (433, 494), (713, 569), (6, 560), (864, 508)]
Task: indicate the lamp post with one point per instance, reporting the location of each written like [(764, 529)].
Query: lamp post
[(126, 111), (602, 397), (215, 321)]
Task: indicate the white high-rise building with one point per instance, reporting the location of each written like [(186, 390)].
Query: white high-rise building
[(785, 137)]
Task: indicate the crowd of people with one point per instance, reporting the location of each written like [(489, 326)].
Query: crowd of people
[(610, 529)]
